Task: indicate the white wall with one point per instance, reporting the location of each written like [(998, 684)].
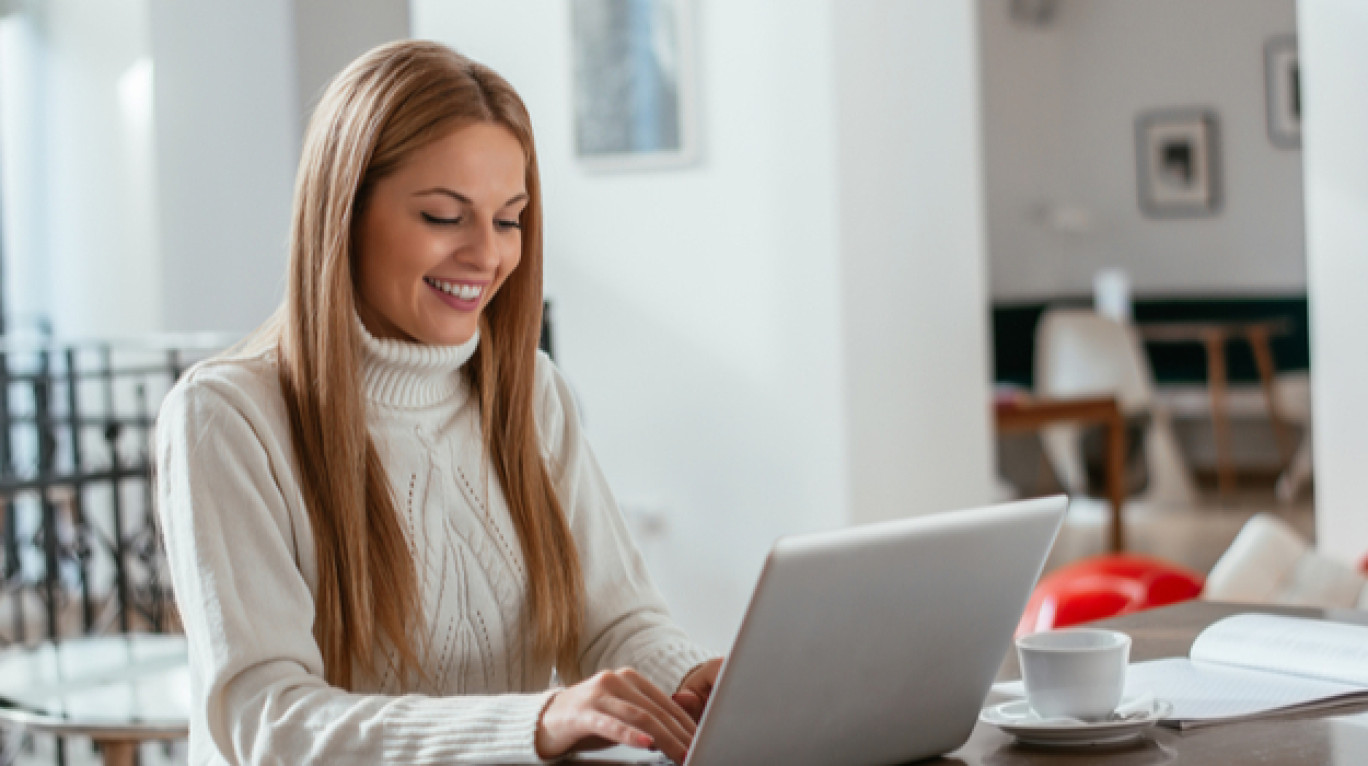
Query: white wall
[(235, 85), (1061, 104), (913, 258), (695, 309), (703, 313), (330, 33), (1334, 64), (228, 128)]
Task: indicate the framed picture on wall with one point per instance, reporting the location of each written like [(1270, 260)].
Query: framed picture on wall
[(634, 91), (1177, 166), (1282, 76)]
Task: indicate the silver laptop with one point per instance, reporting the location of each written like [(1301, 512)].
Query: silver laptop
[(876, 644)]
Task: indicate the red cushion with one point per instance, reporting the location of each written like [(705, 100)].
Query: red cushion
[(1106, 586)]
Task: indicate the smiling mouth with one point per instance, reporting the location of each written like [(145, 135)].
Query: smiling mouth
[(463, 292)]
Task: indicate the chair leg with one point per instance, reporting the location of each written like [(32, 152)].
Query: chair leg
[(1297, 474), (1062, 449), (1263, 358), (1046, 479), (1216, 382), (118, 753), (1116, 480), (1170, 480)]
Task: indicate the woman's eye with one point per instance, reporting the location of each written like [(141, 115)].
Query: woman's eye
[(441, 221), (510, 224)]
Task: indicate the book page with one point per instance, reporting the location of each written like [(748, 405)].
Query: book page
[(1319, 649), (1203, 691)]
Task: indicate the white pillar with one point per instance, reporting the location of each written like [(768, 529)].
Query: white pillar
[(330, 33), (235, 84), (912, 257), (227, 123), (1334, 67)]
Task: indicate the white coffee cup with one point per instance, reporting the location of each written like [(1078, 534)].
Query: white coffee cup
[(1074, 673)]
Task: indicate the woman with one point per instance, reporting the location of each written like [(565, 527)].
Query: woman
[(386, 530)]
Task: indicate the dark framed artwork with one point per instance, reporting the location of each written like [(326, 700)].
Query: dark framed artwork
[(1177, 163), (634, 92), (1282, 78)]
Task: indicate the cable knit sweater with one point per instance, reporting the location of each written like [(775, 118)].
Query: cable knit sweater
[(243, 566)]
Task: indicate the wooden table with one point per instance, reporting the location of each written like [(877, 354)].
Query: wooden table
[(1213, 337), (1306, 740), (118, 690), (1031, 414)]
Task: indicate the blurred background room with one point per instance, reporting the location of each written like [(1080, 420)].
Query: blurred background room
[(809, 263)]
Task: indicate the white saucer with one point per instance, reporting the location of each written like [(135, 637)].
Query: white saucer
[(1018, 719)]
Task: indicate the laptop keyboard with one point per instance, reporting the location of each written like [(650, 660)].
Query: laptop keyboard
[(623, 755)]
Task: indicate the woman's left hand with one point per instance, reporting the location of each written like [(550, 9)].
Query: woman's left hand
[(696, 688)]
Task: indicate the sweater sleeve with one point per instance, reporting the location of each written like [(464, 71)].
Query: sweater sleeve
[(626, 621), (258, 693)]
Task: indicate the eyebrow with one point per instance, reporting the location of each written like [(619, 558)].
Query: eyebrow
[(519, 197)]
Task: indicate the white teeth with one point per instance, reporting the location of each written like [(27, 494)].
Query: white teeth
[(464, 292)]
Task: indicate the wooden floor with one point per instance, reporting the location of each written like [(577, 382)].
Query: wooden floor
[(1192, 536)]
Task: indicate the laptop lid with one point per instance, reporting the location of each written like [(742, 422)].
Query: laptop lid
[(876, 644)]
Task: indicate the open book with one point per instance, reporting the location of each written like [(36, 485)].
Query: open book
[(1255, 665)]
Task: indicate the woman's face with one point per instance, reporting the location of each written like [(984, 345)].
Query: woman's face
[(438, 237)]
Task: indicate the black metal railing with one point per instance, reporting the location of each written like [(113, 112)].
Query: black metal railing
[(80, 550)]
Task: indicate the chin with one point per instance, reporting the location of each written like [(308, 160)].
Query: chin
[(449, 336)]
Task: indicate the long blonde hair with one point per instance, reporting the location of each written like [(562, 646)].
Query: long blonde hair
[(387, 104)]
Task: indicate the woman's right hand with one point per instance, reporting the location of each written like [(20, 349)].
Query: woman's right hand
[(615, 707)]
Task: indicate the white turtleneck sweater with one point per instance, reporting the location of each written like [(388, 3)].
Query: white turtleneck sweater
[(244, 570)]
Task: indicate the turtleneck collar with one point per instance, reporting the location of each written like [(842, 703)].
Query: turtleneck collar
[(404, 374)]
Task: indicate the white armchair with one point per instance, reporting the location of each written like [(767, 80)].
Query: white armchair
[(1269, 563)]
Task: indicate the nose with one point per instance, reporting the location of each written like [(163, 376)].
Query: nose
[(482, 249)]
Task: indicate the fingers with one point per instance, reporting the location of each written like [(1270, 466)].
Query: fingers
[(585, 718), (620, 707), (702, 678), (659, 700), (613, 729), (665, 720), (691, 702), (665, 739), (697, 688)]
